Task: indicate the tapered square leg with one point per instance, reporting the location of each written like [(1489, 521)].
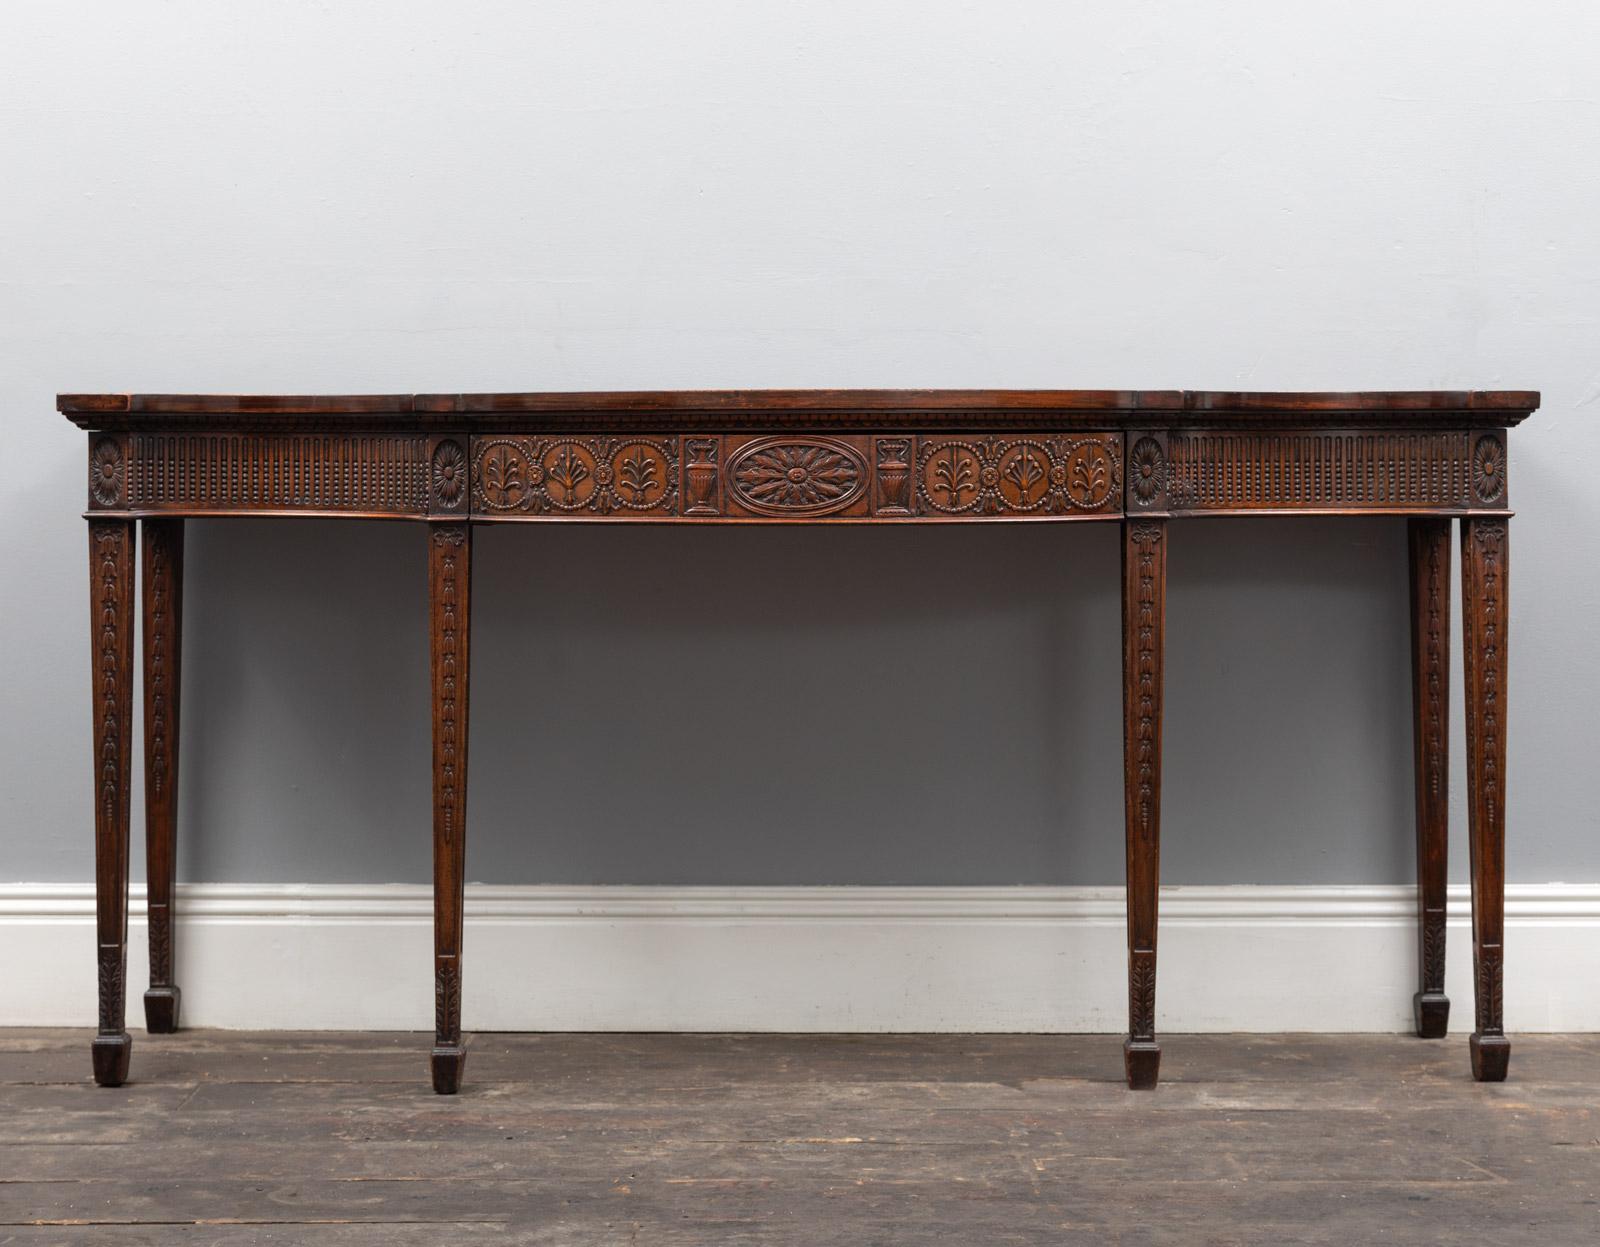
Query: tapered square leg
[(1485, 568), (162, 580), (1430, 716), (449, 592), (111, 617), (1144, 592)]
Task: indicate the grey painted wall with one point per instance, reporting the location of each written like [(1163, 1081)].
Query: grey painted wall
[(280, 197)]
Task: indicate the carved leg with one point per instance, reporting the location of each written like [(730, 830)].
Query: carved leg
[(1485, 567), (111, 616), (1144, 597), (1430, 713), (449, 565), (162, 575)]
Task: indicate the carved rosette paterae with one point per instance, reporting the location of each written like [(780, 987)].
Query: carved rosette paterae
[(1147, 472), (1488, 470), (447, 476), (1144, 586), (1485, 572), (108, 473), (449, 597)]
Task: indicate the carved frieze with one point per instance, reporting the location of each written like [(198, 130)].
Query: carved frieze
[(1019, 476), (358, 472), (618, 476), (801, 475), (1334, 470), (796, 476)]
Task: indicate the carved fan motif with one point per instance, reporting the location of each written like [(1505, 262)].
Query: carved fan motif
[(1023, 476), (569, 474)]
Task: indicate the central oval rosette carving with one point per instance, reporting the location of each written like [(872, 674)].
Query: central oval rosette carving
[(797, 476)]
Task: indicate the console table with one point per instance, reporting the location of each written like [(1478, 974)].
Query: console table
[(1138, 458)]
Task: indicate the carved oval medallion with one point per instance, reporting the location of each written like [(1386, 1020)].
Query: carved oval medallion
[(797, 476)]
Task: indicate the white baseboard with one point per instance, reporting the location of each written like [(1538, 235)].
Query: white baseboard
[(802, 958)]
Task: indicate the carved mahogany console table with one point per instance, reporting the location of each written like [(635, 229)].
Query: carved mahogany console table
[(1138, 458)]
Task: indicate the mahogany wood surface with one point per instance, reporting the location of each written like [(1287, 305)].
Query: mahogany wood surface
[(1430, 713), (1144, 611), (1142, 458), (1485, 567), (449, 569), (111, 631), (161, 562)]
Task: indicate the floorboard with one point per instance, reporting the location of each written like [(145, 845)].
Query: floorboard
[(330, 1139)]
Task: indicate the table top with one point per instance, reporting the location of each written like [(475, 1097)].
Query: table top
[(1111, 408)]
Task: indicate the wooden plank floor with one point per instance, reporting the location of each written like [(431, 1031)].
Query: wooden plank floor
[(265, 1138)]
